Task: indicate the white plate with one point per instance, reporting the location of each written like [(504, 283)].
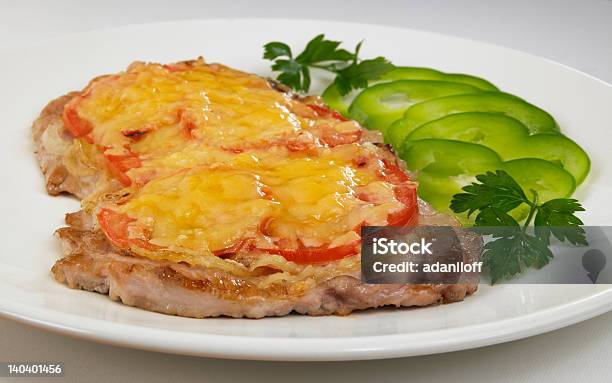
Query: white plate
[(32, 75)]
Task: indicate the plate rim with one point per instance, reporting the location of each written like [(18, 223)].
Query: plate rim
[(331, 349)]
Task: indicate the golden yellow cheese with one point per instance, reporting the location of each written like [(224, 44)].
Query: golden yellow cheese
[(264, 196), (217, 159), (212, 104)]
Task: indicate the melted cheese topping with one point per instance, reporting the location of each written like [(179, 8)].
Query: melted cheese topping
[(218, 159), (261, 196), (162, 107), (152, 112)]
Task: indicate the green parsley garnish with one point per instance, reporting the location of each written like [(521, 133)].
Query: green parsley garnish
[(514, 247), (351, 72)]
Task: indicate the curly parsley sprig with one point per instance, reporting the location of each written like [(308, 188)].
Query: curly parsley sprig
[(514, 247), (351, 72)]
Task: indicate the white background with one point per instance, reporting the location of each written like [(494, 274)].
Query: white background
[(576, 33)]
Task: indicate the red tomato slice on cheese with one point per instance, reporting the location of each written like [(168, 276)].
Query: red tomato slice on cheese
[(324, 111), (316, 254), (409, 214), (333, 138), (77, 126), (120, 164), (115, 226), (405, 192)]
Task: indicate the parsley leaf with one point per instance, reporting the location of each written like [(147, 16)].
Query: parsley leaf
[(357, 75), (492, 216), (276, 49), (496, 189), (320, 50), (320, 53), (291, 71), (513, 248), (557, 217), (507, 256)]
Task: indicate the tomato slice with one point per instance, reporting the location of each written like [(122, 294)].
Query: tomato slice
[(324, 111), (115, 226), (406, 193), (77, 126), (409, 215), (394, 174), (187, 122), (120, 164), (331, 136), (319, 254), (334, 138)]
